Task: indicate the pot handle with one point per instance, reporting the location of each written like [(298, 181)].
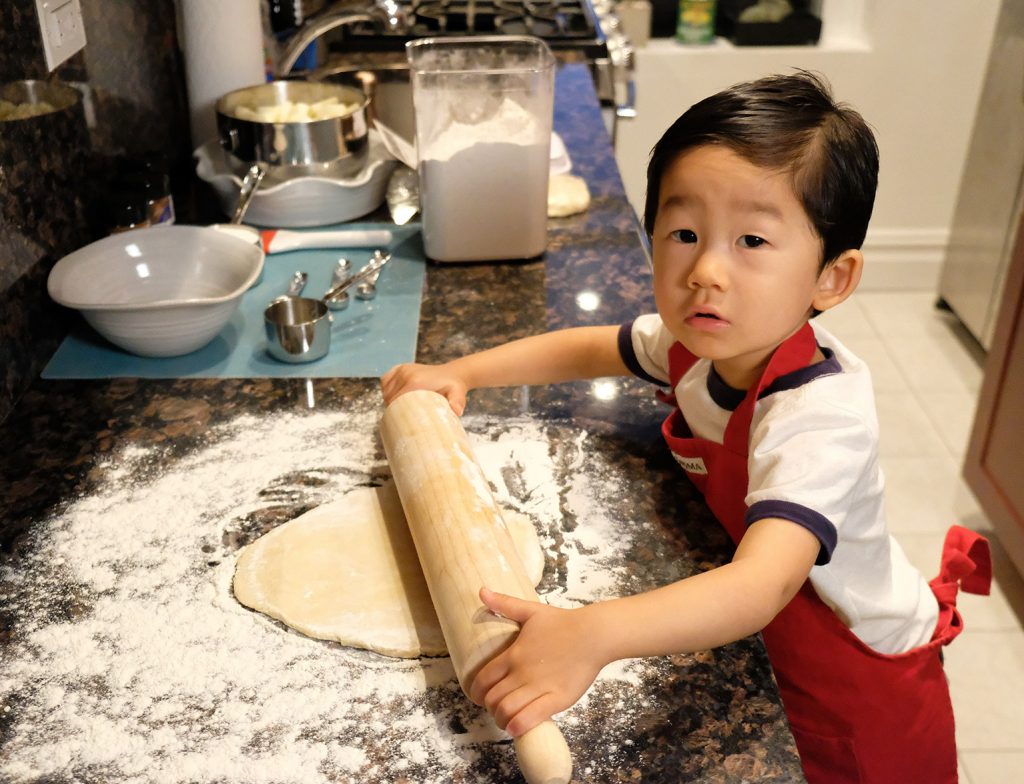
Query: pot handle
[(252, 181)]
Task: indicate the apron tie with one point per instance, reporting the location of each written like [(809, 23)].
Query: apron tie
[(966, 562), (966, 565)]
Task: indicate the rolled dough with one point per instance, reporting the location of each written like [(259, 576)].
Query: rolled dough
[(347, 571)]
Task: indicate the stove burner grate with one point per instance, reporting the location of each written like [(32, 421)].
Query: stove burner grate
[(562, 24)]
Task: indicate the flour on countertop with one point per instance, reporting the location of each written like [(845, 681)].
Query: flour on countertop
[(130, 660)]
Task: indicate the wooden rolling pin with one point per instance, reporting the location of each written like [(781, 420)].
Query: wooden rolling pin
[(463, 544)]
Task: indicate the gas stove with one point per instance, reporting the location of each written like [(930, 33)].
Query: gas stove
[(565, 25), (587, 30)]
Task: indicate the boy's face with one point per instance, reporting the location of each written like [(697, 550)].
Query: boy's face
[(736, 260)]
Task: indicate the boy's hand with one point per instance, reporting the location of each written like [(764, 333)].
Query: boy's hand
[(545, 670), (436, 378)]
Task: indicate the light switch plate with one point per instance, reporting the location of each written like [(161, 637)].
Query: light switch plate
[(60, 22)]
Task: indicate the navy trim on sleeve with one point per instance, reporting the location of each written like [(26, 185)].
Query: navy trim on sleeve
[(816, 523), (829, 366), (629, 355), (729, 398)]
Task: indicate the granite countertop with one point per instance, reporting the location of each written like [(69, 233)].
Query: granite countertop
[(90, 454)]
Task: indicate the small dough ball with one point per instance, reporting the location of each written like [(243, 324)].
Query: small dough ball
[(567, 195)]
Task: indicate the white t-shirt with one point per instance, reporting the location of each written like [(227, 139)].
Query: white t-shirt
[(813, 459)]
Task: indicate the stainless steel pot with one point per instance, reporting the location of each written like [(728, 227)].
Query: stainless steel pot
[(32, 91), (335, 147), (389, 88)]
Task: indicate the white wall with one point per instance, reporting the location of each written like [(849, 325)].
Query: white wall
[(913, 69)]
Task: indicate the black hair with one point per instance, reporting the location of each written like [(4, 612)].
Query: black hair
[(787, 123)]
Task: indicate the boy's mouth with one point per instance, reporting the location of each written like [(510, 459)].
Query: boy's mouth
[(705, 311), (705, 318)]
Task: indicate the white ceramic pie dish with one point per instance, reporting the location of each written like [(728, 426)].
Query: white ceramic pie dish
[(300, 201), (160, 291)]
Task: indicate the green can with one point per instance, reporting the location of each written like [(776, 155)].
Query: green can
[(696, 22)]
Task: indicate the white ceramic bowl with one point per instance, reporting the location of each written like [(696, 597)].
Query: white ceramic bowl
[(160, 291), (300, 201)]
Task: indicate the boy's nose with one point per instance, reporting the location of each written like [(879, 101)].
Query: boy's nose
[(707, 271)]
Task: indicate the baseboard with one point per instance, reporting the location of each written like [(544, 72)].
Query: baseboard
[(903, 259)]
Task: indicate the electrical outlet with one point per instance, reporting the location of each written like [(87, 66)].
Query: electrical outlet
[(60, 22)]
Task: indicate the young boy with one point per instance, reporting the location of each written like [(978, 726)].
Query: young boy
[(758, 201)]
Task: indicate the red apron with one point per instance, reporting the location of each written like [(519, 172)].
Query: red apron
[(857, 715)]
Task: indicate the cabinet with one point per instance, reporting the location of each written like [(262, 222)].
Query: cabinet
[(994, 466)]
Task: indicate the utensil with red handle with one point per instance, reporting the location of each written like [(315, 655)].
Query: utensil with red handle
[(283, 240)]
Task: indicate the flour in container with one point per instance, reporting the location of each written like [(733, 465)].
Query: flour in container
[(484, 184)]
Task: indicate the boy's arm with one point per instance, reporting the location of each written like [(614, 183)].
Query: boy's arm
[(558, 653), (565, 355)]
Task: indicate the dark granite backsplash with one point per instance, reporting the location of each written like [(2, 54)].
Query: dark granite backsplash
[(131, 78)]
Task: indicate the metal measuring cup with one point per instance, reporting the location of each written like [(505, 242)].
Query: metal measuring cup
[(298, 328), (337, 295), (342, 270), (368, 288)]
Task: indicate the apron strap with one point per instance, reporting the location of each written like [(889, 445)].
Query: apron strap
[(793, 353), (680, 359), (967, 565)]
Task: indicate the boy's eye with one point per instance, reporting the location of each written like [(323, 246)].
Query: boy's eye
[(751, 241), (684, 235)]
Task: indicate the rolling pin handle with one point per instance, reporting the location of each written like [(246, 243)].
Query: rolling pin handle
[(544, 756)]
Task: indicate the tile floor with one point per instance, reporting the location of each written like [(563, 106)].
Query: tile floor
[(927, 374)]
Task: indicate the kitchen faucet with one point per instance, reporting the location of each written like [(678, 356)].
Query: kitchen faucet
[(386, 14)]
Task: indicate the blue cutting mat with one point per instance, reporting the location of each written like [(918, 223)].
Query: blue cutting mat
[(367, 338)]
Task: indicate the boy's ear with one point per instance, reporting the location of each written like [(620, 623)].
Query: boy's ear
[(839, 280)]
